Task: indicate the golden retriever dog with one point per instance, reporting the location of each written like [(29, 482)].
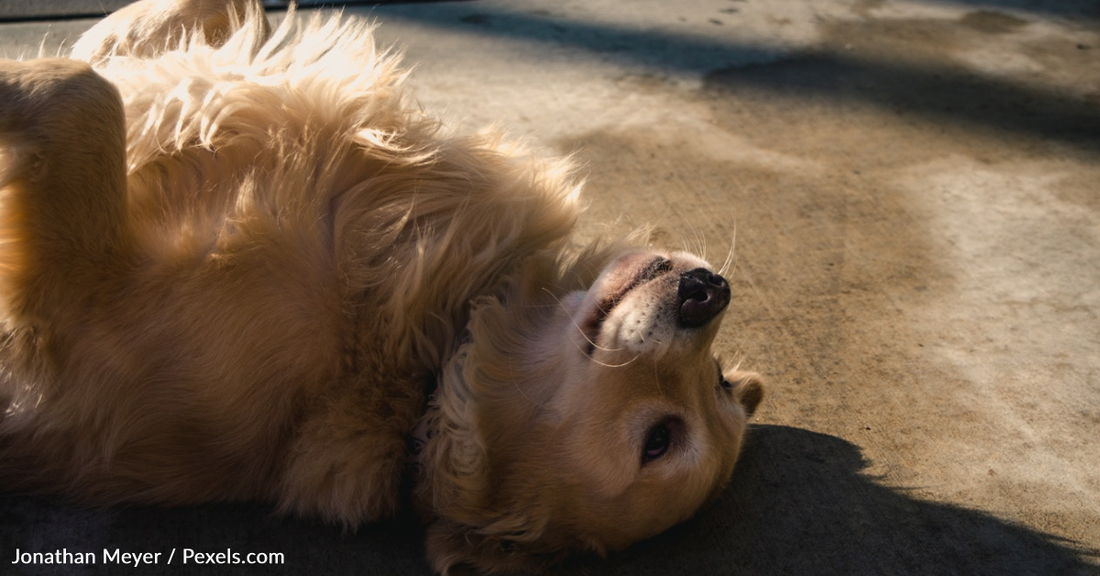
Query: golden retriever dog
[(238, 263)]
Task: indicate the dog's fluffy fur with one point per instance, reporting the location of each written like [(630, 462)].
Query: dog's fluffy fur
[(233, 262)]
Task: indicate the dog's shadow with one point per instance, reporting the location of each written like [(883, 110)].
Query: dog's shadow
[(799, 504)]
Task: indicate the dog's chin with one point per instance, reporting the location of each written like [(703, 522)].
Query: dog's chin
[(634, 297), (618, 281)]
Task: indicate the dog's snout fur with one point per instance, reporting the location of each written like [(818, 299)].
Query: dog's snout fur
[(703, 296)]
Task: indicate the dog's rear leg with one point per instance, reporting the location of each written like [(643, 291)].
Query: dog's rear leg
[(62, 187), (150, 27)]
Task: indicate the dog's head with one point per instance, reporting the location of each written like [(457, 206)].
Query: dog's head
[(582, 421)]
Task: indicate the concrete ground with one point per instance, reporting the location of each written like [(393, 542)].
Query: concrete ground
[(911, 191)]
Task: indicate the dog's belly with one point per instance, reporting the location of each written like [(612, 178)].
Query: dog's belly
[(184, 387)]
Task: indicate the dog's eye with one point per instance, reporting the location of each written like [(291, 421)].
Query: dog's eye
[(660, 437)]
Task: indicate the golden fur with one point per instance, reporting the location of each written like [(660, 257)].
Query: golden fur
[(233, 260)]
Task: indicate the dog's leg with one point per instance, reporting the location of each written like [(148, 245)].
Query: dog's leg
[(150, 27), (62, 187), (347, 459)]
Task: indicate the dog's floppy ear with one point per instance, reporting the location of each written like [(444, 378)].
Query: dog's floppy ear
[(748, 388), (464, 534)]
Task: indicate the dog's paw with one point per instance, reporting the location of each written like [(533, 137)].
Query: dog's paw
[(31, 92), (50, 109)]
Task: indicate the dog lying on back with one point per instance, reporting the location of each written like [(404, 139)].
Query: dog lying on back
[(238, 264)]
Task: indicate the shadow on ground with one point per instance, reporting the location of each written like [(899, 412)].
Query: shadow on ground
[(46, 525), (801, 487), (1064, 8), (898, 63), (793, 486), (942, 94)]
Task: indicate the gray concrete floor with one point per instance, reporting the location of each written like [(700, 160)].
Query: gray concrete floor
[(911, 191)]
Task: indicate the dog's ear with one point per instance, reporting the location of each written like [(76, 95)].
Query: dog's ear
[(748, 388), (464, 534)]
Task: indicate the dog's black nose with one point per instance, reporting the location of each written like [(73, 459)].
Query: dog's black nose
[(703, 295)]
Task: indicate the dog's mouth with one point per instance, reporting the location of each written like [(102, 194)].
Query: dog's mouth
[(653, 269)]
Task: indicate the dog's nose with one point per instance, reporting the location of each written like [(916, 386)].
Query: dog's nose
[(703, 295)]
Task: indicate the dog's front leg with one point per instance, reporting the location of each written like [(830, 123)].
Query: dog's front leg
[(62, 186), (350, 452), (150, 27)]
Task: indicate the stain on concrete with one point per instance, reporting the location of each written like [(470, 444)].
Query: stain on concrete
[(864, 8), (1081, 189), (992, 22)]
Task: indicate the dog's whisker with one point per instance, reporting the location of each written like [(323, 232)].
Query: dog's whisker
[(592, 344), (730, 256), (690, 242), (627, 363), (699, 244), (700, 247), (522, 392)]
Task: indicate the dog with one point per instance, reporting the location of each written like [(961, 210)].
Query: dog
[(240, 263)]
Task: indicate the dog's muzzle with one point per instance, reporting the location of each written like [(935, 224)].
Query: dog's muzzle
[(703, 296)]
